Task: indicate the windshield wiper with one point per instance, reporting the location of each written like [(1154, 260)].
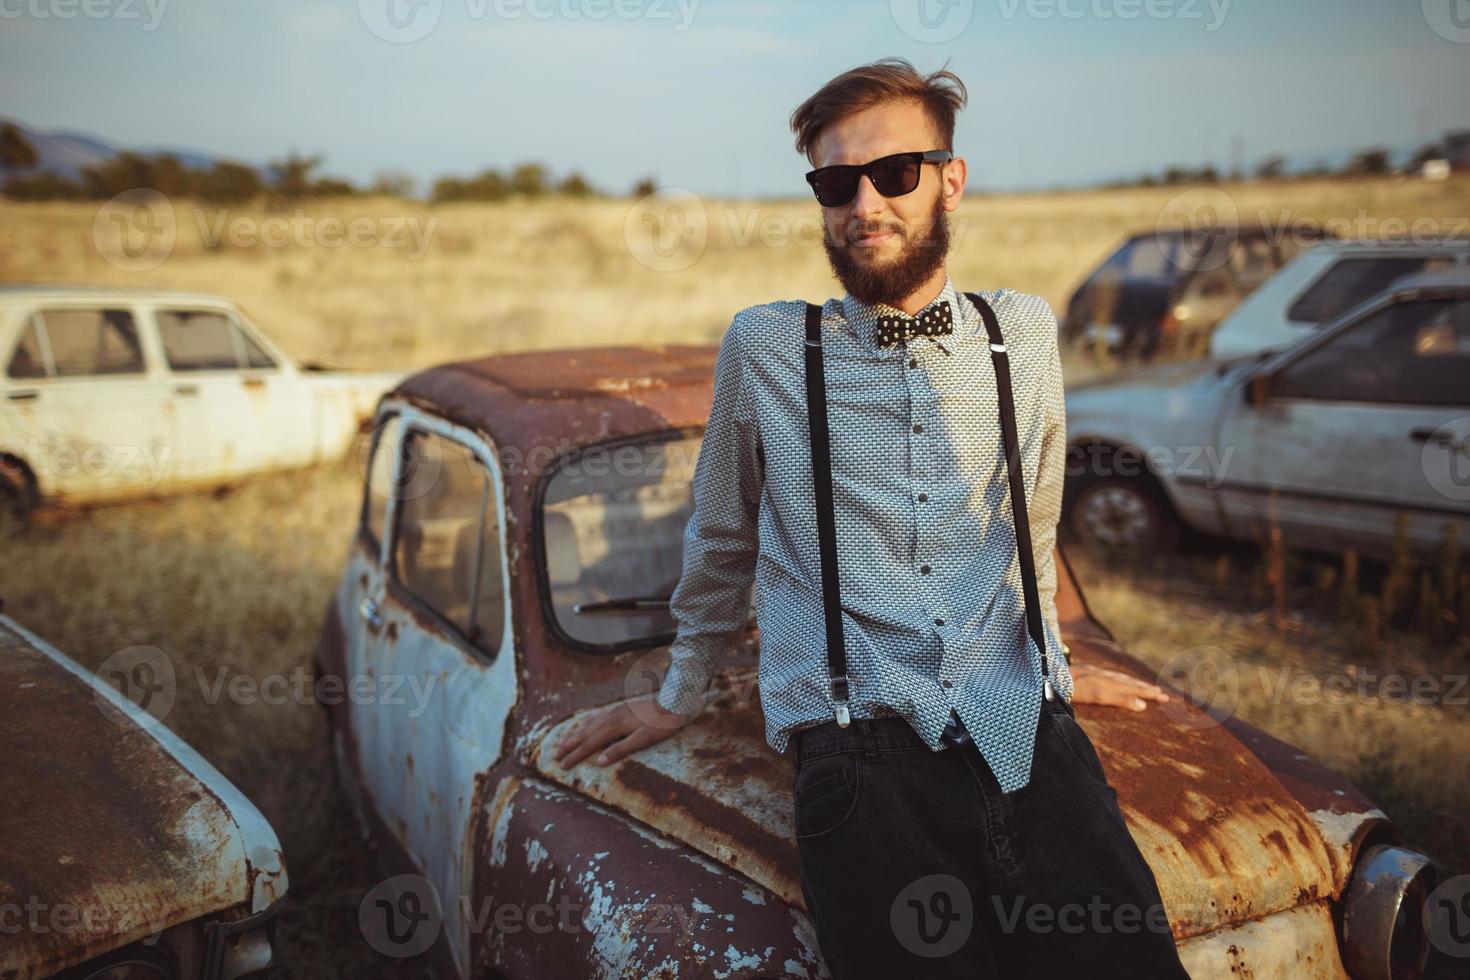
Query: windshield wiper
[(629, 604)]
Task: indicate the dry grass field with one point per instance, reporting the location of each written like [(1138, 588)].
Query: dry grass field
[(237, 580), (490, 277)]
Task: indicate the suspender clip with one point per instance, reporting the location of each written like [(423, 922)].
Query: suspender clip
[(839, 697)]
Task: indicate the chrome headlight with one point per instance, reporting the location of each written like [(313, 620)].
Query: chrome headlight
[(1383, 931)]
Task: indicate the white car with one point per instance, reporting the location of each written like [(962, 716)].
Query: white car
[(107, 393), (1321, 284), (1333, 440)]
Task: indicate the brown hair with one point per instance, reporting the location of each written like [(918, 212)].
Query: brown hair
[(941, 94)]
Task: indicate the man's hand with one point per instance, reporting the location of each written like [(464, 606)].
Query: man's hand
[(1099, 685), (618, 730)]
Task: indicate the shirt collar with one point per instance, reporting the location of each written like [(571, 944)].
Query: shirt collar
[(863, 317)]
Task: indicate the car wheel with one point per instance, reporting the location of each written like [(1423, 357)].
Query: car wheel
[(15, 493), (136, 962), (1125, 515)]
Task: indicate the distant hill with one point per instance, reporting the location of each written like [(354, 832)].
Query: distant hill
[(66, 153)]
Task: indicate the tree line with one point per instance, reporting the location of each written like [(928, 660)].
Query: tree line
[(292, 178), (1370, 162), (296, 177)]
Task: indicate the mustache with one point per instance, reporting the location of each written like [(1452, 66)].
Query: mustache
[(859, 228)]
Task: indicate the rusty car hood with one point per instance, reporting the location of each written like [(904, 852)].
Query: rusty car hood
[(1227, 841), (112, 828)]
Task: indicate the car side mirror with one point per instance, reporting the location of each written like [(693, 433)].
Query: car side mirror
[(1257, 390)]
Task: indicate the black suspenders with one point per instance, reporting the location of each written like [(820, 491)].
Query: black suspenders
[(821, 445)]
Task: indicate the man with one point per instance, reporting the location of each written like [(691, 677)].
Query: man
[(960, 824)]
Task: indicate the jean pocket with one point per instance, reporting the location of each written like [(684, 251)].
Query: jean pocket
[(826, 794), (1075, 741)]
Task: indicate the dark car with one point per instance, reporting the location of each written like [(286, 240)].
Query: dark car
[(1162, 292)]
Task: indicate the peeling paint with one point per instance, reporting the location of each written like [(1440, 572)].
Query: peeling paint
[(1249, 839)]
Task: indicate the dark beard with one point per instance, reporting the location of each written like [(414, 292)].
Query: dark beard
[(919, 259)]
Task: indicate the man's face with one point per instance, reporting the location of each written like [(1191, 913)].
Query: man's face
[(883, 248)]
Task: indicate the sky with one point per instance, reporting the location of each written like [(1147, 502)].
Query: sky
[(697, 93)]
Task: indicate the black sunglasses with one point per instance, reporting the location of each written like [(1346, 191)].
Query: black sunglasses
[(892, 176)]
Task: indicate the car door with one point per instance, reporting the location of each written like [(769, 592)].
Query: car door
[(222, 430), (1370, 423), (432, 647), (282, 402), (88, 414)]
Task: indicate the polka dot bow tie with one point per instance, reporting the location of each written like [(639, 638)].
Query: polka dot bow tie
[(936, 321)]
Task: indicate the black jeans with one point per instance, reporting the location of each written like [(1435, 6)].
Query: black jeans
[(915, 864)]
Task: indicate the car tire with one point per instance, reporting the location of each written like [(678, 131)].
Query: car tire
[(1122, 515), (16, 496), (136, 962)]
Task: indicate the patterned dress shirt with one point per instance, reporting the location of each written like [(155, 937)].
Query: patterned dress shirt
[(933, 609)]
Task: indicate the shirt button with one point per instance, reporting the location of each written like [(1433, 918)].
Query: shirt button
[(923, 497), (918, 427), (913, 362), (947, 683), (923, 569), (939, 622)]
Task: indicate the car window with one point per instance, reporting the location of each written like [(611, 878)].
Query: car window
[(1215, 285), (1251, 262), (87, 343), (378, 486), (27, 361), (255, 355), (1150, 257), (1203, 250), (1411, 353), (199, 340), (612, 526), (1349, 282), (446, 550)]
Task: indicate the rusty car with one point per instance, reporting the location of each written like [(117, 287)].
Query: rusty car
[(110, 392), (520, 531), (124, 855)]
